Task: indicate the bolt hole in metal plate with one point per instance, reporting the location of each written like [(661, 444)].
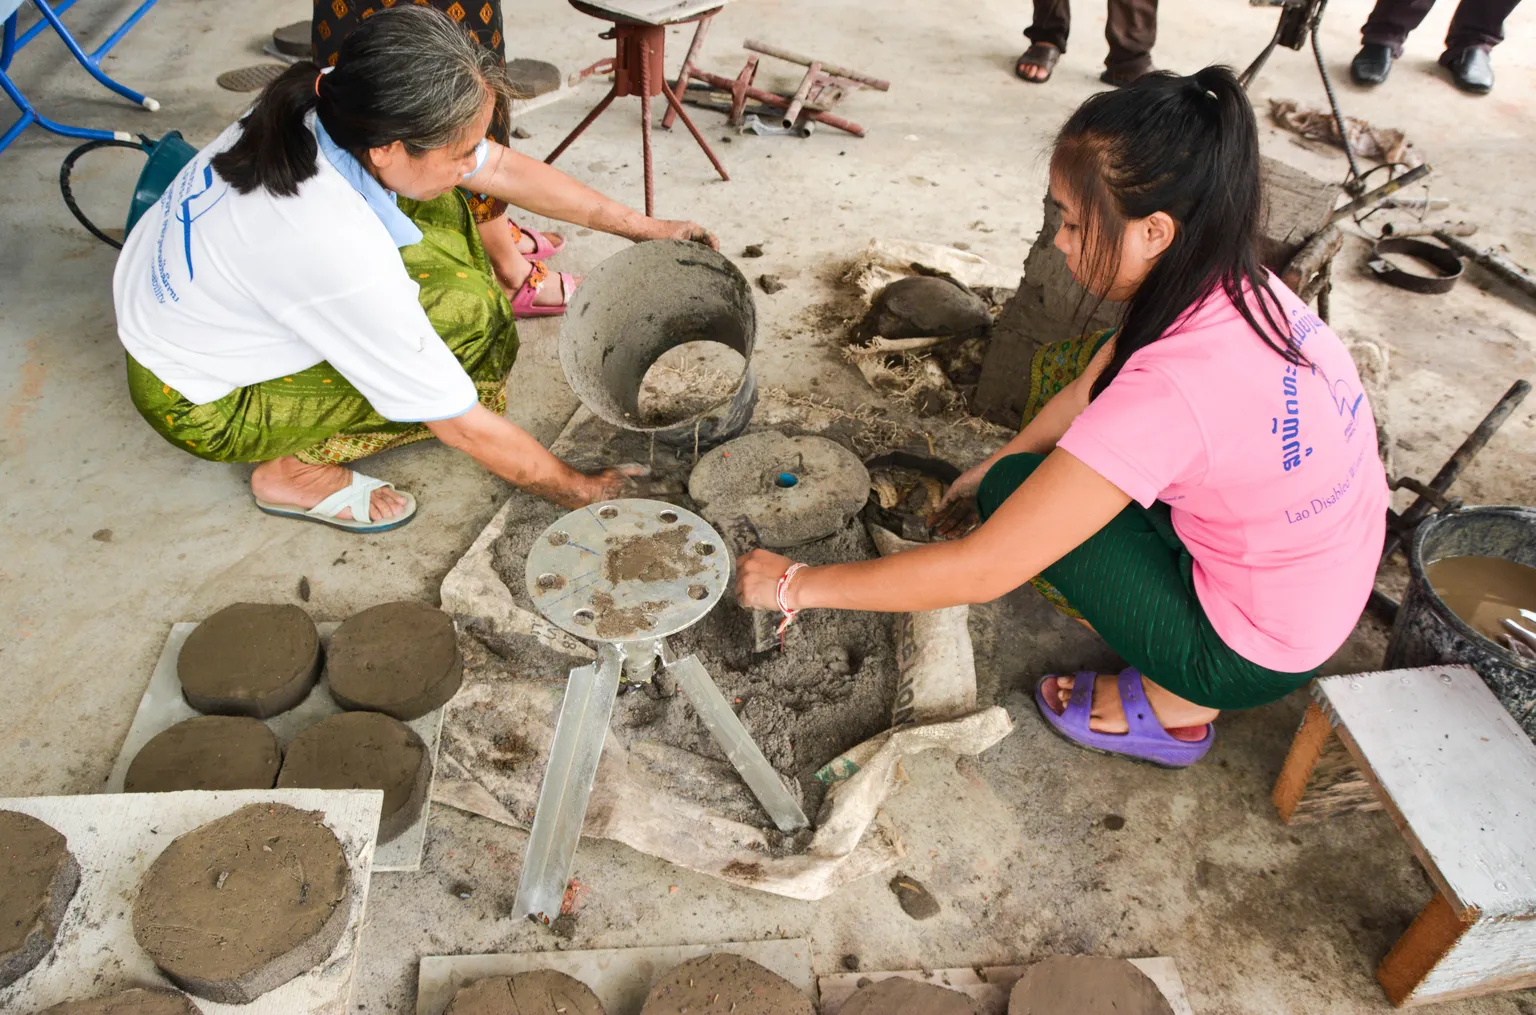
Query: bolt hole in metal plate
[(627, 570)]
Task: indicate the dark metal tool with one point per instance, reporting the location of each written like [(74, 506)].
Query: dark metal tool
[(743, 537)]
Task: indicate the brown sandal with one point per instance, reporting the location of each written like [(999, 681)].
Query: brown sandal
[(1042, 55)]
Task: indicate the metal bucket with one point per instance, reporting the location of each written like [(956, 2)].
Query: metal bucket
[(637, 305), (1427, 633)]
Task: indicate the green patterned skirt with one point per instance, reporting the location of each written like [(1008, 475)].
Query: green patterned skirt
[(316, 414)]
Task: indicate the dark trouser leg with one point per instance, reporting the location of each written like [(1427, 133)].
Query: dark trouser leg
[(1392, 20), (1478, 23), (1131, 31), (1053, 19), (1133, 581)]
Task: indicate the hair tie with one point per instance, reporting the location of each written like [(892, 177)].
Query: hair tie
[(317, 83)]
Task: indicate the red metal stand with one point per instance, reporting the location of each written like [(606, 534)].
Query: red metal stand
[(639, 68)]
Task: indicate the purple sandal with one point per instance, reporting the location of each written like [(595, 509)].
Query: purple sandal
[(1146, 741)]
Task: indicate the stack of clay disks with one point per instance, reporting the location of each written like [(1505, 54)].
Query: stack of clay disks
[(38, 878), (900, 996), (138, 1001), (541, 992), (250, 659), (1086, 985), (244, 904), (724, 984)]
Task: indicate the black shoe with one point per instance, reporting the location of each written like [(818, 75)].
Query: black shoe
[(1471, 69), (1372, 64)]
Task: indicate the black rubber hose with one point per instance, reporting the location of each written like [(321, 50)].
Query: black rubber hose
[(67, 170)]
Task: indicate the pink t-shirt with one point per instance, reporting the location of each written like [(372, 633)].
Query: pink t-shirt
[(1270, 470)]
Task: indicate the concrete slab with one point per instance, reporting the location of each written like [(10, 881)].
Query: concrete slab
[(108, 535)]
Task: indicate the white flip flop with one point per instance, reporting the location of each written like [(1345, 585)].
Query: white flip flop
[(358, 496)]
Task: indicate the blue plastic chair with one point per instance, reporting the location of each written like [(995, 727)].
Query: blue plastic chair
[(11, 43)]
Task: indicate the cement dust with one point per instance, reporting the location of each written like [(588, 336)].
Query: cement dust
[(1485, 591)]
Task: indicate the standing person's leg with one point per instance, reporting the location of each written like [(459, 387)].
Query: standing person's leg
[(1131, 31), (1382, 38), (1047, 36), (1477, 27)]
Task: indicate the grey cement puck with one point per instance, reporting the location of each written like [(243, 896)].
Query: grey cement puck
[(541, 992), (129, 1002), (531, 78), (250, 659), (295, 40), (363, 750), (724, 984), (900, 996), (38, 878), (1086, 985), (242, 905), (401, 659), (210, 752), (794, 490)]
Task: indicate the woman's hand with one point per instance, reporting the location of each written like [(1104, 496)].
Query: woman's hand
[(663, 229), (757, 580), (956, 514), (611, 484)]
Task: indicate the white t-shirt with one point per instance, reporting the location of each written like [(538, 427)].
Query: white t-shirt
[(216, 290)]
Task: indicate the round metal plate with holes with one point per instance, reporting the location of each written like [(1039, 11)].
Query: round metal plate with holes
[(628, 570)]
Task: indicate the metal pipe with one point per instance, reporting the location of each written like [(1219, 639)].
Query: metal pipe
[(1365, 201), (1428, 228), (1494, 261), (779, 102), (792, 111), (1418, 203), (805, 61)]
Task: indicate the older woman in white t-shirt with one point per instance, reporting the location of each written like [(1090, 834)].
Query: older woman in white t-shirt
[(279, 305)]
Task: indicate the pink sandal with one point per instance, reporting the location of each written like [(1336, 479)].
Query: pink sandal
[(542, 248), (522, 302)]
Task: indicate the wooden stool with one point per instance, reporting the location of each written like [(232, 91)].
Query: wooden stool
[(1435, 749)]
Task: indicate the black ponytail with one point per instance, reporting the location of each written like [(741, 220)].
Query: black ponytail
[(275, 150), (408, 74), (1187, 146)]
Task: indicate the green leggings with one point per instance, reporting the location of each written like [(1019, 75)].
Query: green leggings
[(1133, 580)]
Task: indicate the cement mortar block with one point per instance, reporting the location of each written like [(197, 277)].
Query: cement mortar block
[(741, 478), (924, 306)]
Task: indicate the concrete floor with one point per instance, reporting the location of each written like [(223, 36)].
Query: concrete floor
[(110, 535)]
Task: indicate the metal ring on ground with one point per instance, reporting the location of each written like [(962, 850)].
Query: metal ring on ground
[(1442, 260)]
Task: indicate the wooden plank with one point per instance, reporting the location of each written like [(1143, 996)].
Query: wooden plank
[(1319, 778), (1433, 933), (1491, 957), (1456, 773)]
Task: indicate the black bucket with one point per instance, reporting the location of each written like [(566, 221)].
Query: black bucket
[(1427, 633)]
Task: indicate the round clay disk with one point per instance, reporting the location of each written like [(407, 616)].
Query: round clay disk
[(724, 984), (250, 659), (209, 752), (794, 490), (129, 1002), (900, 996), (242, 905), (401, 659), (541, 992), (363, 750), (1086, 985), (38, 878)]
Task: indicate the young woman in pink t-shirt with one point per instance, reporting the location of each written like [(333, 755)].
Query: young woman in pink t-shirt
[(1207, 495)]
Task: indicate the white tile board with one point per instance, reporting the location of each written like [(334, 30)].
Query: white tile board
[(116, 837), (991, 986), (620, 977), (1458, 774), (163, 707)]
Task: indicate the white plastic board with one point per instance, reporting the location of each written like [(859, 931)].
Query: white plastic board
[(163, 707), (116, 837), (991, 986), (620, 977)]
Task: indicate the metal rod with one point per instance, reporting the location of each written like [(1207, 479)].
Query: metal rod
[(1456, 464), (677, 108), (778, 102), (567, 786), (1428, 228), (1356, 177), (597, 111), (733, 738), (1365, 201), (683, 72), (1494, 261), (1417, 203), (805, 61), (645, 125), (1246, 78), (792, 111)]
